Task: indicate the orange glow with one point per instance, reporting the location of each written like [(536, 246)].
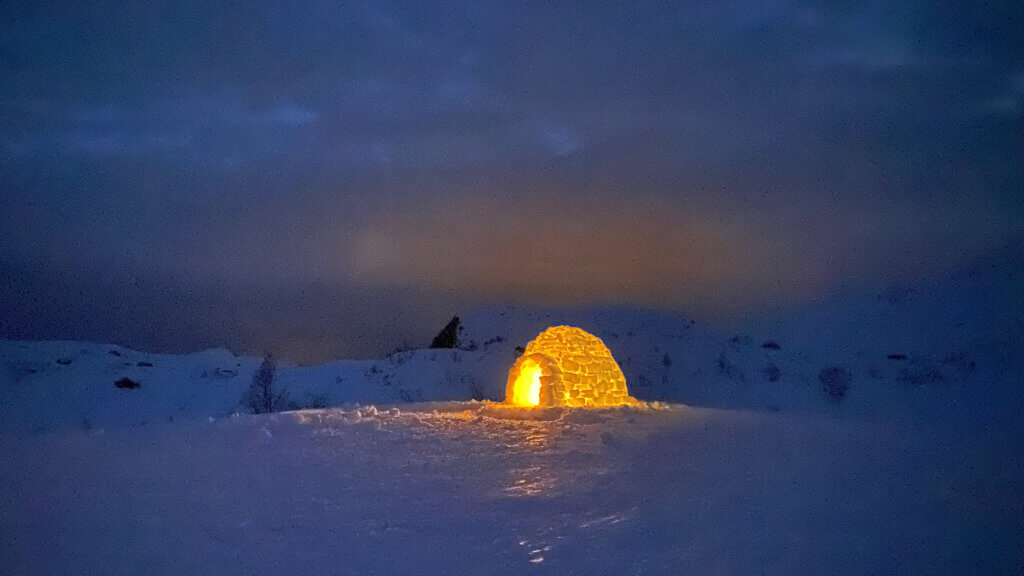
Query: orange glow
[(526, 388), (569, 251), (566, 366)]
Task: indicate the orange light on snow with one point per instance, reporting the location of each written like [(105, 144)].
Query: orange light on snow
[(566, 366)]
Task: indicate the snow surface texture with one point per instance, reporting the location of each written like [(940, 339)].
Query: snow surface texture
[(864, 435), (450, 489)]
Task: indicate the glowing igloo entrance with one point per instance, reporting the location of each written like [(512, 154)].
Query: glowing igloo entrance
[(566, 366)]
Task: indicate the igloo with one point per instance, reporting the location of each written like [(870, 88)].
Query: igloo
[(566, 366)]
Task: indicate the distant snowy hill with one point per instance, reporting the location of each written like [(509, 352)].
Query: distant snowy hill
[(863, 434), (876, 351)]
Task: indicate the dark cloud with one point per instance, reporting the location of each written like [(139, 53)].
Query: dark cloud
[(719, 146)]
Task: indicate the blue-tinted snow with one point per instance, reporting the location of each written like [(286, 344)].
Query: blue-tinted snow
[(740, 468)]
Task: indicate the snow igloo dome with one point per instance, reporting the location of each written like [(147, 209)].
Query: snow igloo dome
[(566, 366)]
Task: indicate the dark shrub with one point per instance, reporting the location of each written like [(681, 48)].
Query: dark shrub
[(262, 396), (835, 381)]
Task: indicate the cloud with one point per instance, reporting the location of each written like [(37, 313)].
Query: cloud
[(719, 258), (690, 153), (580, 250)]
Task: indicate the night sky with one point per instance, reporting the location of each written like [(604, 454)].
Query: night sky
[(336, 179)]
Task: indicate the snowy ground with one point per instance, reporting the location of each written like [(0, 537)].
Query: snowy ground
[(463, 489), (747, 466)]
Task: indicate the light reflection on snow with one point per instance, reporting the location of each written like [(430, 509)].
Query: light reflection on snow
[(537, 434), (530, 481), (529, 440), (515, 457), (610, 519)]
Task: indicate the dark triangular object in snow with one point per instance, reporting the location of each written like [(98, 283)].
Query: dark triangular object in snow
[(448, 337)]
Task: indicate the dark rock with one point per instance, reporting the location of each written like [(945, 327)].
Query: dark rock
[(771, 345), (126, 383), (113, 352), (897, 356), (448, 336), (64, 361), (145, 364)]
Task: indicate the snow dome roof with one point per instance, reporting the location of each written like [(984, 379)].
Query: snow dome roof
[(566, 366)]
